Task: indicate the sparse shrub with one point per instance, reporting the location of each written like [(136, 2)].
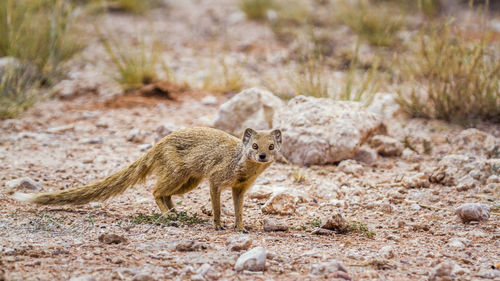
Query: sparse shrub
[(39, 32), (135, 64), (18, 85), (377, 24), (457, 78), (170, 219), (361, 228), (256, 9), (229, 81), (312, 81)]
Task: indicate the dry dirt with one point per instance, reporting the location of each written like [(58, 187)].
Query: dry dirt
[(57, 243)]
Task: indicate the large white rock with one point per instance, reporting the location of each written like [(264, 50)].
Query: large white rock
[(253, 260), (321, 130), (252, 108)]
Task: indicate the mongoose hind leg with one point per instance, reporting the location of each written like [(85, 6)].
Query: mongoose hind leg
[(164, 188), (165, 204)]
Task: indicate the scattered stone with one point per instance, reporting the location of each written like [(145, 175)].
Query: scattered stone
[(61, 128), (253, 260), (209, 100), (458, 242), (8, 63), (274, 225), (86, 82), (144, 147), (322, 231), (447, 270), (322, 130), (240, 243), (420, 180), (339, 274), (327, 267), (189, 246), (489, 274), (387, 252), (207, 272), (135, 135), (85, 277), (410, 155), (493, 179), (336, 223), (143, 277), (385, 105), (386, 146), (351, 167), (386, 208), (466, 183), (473, 212), (23, 183), (251, 108), (282, 203), (97, 140), (366, 155), (415, 207), (164, 130), (475, 142), (112, 239)]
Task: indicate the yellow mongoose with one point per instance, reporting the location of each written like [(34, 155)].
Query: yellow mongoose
[(180, 161)]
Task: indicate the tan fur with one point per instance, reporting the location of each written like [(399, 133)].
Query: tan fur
[(181, 161)]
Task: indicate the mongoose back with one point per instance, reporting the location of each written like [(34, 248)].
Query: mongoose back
[(181, 160)]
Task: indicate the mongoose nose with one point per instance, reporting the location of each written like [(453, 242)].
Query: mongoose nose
[(262, 156)]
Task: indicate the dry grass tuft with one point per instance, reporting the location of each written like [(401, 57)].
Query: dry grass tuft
[(136, 65), (18, 85), (377, 24), (458, 78), (256, 9)]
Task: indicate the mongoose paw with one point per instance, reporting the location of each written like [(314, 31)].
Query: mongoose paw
[(241, 230)]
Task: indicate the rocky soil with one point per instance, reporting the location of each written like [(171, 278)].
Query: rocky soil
[(388, 215)]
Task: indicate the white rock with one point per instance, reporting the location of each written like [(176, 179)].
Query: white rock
[(385, 105), (282, 203), (253, 260), (386, 146), (209, 100), (387, 252), (80, 83), (327, 267), (251, 108), (458, 242), (145, 146), (473, 212), (274, 225), (351, 167), (8, 62), (447, 270), (321, 130), (466, 182), (366, 155), (164, 130), (239, 243), (97, 140), (475, 142), (207, 272), (23, 183), (420, 180), (415, 207), (135, 135), (85, 277)]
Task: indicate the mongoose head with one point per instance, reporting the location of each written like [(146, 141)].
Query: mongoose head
[(261, 146)]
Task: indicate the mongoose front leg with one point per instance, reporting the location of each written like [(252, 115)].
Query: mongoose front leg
[(215, 198), (238, 195)]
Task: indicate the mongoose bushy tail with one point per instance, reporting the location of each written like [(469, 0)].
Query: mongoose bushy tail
[(98, 191)]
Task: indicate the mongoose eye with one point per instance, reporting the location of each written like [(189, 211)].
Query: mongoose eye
[(255, 146), (271, 146)]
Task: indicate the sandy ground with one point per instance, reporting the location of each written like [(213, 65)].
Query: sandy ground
[(57, 243)]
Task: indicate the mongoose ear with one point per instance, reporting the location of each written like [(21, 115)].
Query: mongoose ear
[(249, 133), (277, 137)]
